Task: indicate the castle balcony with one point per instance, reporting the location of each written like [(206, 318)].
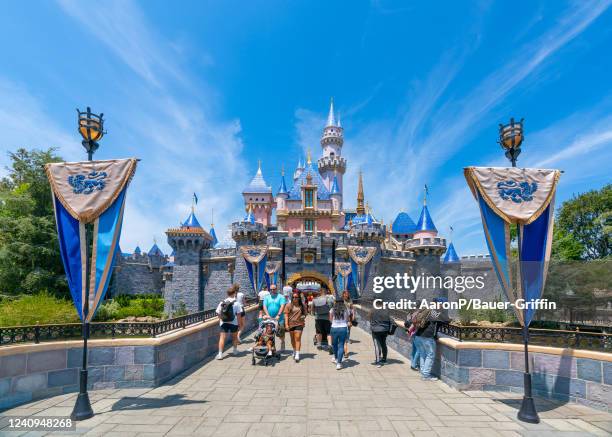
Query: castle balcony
[(215, 254), (433, 245)]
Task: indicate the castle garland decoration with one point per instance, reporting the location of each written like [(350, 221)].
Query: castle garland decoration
[(361, 255)]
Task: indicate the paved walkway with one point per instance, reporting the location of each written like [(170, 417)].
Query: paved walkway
[(233, 398)]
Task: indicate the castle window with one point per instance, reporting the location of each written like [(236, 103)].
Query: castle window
[(308, 198), (309, 225)]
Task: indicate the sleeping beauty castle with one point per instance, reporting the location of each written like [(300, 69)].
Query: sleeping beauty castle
[(314, 241)]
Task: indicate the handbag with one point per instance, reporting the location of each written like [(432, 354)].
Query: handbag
[(392, 328)]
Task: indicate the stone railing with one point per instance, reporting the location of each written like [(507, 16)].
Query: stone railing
[(484, 363), (31, 371)]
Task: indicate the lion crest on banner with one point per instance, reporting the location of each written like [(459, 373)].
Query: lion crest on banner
[(272, 267), (343, 269)]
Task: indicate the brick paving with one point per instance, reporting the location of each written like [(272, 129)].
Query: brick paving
[(233, 398)]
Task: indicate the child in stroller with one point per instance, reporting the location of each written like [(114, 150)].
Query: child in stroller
[(265, 347)]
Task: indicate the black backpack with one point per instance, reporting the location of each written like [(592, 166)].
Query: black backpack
[(227, 310)]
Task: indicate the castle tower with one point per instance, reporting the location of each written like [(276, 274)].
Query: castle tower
[(332, 163), (281, 205), (427, 248), (258, 194), (187, 241)]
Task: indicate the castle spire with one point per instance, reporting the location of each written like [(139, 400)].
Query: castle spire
[(425, 193), (360, 197), (330, 117), (308, 158)]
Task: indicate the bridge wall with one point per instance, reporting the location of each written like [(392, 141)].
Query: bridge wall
[(570, 375), (35, 371)]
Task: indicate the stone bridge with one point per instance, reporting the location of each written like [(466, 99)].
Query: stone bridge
[(231, 397)]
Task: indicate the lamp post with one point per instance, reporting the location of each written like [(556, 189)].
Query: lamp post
[(510, 138), (91, 128)]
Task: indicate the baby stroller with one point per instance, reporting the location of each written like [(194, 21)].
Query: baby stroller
[(261, 352)]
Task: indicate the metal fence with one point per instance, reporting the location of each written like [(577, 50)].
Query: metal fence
[(508, 334), (73, 331)]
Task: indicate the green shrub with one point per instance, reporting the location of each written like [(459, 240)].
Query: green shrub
[(466, 315), (42, 308), (123, 300), (107, 311)]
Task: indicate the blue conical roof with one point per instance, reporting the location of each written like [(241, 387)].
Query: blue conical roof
[(155, 250), (137, 251), (425, 222), (335, 189), (191, 222), (249, 218), (403, 224), (283, 186), (213, 234), (296, 191), (451, 255)]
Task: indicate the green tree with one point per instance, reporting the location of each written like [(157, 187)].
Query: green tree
[(29, 252), (565, 247), (587, 218)]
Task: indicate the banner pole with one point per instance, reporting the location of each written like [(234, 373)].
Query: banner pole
[(82, 408), (283, 273), (528, 412)]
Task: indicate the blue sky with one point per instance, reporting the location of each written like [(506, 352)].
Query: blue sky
[(202, 90)]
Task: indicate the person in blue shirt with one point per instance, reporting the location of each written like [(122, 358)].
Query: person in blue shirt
[(274, 307)]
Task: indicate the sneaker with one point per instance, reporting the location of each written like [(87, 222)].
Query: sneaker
[(416, 369), (379, 364), (269, 353), (220, 356), (235, 350), (338, 366), (297, 357), (333, 359), (429, 378)]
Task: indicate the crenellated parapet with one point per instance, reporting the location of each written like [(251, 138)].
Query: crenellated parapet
[(426, 245), (245, 232), (332, 164), (370, 232)]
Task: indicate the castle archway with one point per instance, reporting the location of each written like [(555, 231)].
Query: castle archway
[(311, 275)]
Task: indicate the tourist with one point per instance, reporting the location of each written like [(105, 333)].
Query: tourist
[(274, 306), (295, 320), (414, 352), (340, 317), (262, 295), (320, 307), (230, 314), (380, 325), (426, 325), (346, 297), (240, 299)]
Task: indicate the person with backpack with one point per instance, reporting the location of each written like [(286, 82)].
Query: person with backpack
[(295, 320), (426, 327), (230, 314), (274, 306), (340, 318), (381, 326), (321, 307)]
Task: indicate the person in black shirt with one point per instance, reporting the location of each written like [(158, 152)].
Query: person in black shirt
[(380, 325), (425, 339)]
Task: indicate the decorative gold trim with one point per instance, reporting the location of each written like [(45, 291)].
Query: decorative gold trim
[(311, 274)]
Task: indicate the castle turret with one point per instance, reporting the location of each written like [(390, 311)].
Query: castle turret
[(281, 203), (451, 255), (332, 164), (258, 194), (427, 248), (187, 242)]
